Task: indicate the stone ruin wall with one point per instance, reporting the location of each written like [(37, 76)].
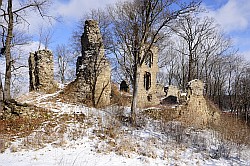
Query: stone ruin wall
[(173, 91), (92, 45), (92, 57), (198, 110), (160, 91), (103, 85), (195, 88), (143, 94), (41, 72)]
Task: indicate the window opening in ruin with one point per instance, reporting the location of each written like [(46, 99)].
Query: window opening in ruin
[(147, 80), (149, 59), (149, 97), (123, 86)]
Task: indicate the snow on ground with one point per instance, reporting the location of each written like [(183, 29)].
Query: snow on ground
[(81, 153), (98, 139)]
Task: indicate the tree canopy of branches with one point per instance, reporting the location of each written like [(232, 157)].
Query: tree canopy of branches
[(138, 25), (200, 50), (13, 16)]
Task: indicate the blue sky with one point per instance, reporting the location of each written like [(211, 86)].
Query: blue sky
[(234, 19), (232, 15)]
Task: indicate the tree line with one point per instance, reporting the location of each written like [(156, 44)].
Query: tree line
[(191, 47), (199, 49)]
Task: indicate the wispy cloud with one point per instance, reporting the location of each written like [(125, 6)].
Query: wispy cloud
[(234, 15)]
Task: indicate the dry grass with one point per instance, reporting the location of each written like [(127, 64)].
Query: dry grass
[(165, 114), (20, 126), (228, 126), (233, 129)]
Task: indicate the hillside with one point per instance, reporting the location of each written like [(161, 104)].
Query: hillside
[(67, 134)]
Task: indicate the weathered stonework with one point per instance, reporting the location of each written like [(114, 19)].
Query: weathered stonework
[(147, 89), (160, 91), (198, 112), (41, 72), (173, 91), (92, 69), (195, 88)]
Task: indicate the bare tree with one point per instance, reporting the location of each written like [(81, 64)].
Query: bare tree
[(137, 26), (194, 31), (1, 89), (65, 63), (1, 95), (12, 17), (45, 37)]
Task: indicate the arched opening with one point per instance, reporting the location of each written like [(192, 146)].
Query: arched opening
[(147, 80), (149, 59), (124, 86)]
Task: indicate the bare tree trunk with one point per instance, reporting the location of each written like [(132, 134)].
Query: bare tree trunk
[(8, 53), (1, 95), (190, 67), (1, 88), (93, 91), (134, 98)]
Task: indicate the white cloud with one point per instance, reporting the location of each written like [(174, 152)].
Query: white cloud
[(69, 11), (20, 77), (233, 16), (74, 9)]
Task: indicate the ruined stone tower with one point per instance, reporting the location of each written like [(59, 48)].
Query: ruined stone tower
[(92, 69), (41, 71), (147, 82), (199, 111)]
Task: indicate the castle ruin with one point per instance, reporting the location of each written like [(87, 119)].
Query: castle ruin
[(199, 112), (93, 72), (147, 89), (41, 72)]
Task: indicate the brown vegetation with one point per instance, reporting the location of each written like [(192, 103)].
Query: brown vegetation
[(233, 129), (19, 126), (119, 98)]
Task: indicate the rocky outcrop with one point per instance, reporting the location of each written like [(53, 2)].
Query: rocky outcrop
[(13, 109), (41, 72)]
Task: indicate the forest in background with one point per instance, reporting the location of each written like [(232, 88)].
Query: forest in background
[(191, 46)]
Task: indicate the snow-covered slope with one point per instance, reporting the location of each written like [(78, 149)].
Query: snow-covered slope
[(78, 135)]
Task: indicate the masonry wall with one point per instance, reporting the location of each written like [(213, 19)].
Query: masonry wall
[(41, 71), (199, 112), (103, 84), (173, 91), (148, 97), (92, 69)]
